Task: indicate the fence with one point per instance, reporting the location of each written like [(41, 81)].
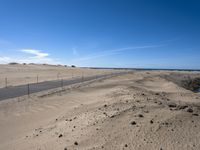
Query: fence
[(16, 91)]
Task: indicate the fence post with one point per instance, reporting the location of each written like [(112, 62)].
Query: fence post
[(6, 82), (82, 78), (62, 83), (58, 75), (28, 90), (37, 78)]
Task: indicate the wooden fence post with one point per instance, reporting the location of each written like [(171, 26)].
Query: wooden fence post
[(37, 78), (28, 90), (6, 82), (62, 83)]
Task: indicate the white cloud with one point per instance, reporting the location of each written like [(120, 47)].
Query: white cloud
[(5, 60), (36, 53), (36, 56)]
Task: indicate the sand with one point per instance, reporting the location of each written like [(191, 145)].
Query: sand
[(137, 111)]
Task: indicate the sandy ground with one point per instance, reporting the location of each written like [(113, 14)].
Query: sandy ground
[(138, 111), (24, 74)]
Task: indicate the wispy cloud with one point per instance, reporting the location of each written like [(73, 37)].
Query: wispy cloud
[(135, 48), (94, 56), (114, 52), (36, 53), (75, 51)]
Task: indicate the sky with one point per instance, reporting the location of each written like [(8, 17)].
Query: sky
[(101, 33)]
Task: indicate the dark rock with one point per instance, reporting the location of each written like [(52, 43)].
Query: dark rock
[(133, 123), (65, 148), (195, 114), (126, 145), (60, 135), (105, 113), (172, 105), (190, 110), (112, 116), (75, 143), (140, 115), (151, 121), (182, 107), (166, 123)]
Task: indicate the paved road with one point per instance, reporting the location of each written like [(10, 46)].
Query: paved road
[(21, 90)]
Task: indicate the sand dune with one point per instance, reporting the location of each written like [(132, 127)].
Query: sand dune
[(140, 110)]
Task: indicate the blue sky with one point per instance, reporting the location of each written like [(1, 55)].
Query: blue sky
[(101, 33)]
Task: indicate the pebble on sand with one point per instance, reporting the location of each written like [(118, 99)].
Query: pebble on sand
[(60, 135), (133, 123), (190, 110), (140, 115)]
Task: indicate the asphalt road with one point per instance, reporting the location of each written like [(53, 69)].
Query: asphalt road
[(21, 90)]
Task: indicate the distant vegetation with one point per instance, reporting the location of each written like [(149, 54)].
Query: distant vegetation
[(13, 63), (73, 66)]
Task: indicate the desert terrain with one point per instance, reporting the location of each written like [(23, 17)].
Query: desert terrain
[(137, 111)]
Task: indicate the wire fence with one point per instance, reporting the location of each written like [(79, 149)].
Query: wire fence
[(9, 81), (29, 88)]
